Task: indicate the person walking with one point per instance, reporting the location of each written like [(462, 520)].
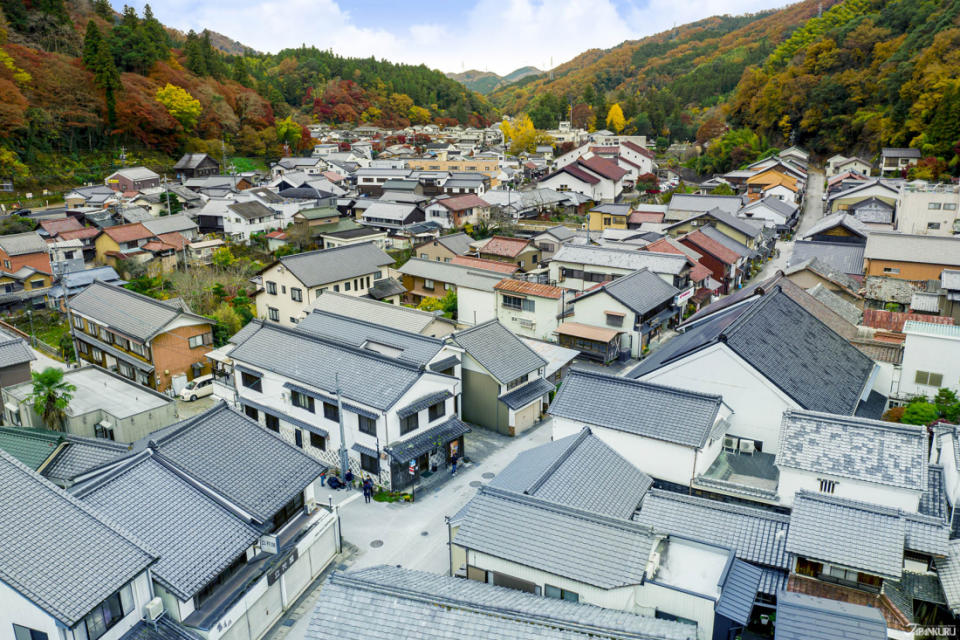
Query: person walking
[(367, 490), (453, 464)]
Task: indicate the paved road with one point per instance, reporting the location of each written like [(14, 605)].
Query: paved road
[(811, 214)]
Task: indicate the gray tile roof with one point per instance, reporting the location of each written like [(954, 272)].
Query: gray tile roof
[(841, 219), (127, 312), (252, 210), (906, 247), (848, 533), (640, 291), (556, 472), (382, 313), (756, 535), (933, 502), (58, 552), (239, 459), (842, 257), (948, 569), (82, 455), (560, 232), (246, 331), (690, 202), (666, 263), (414, 347), (169, 224), (826, 271), (315, 268), (846, 310), (316, 362), (871, 451), (739, 592), (459, 243), (583, 546), (423, 441), (926, 534), (641, 408), (386, 288), (17, 244), (390, 602), (459, 275), (195, 537), (522, 396), (798, 614), (421, 403), (14, 350), (499, 351), (723, 239)]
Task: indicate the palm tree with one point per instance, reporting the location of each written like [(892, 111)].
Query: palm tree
[(51, 396)]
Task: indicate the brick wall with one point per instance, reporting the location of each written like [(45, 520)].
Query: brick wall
[(172, 354)]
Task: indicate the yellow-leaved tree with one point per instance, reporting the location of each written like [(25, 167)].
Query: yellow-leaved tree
[(615, 120), (522, 135), (178, 102)]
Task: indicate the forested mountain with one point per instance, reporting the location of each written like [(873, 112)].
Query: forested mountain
[(486, 81), (76, 78)]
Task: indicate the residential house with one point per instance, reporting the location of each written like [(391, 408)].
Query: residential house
[(897, 161), (389, 315), (669, 433), (444, 248), (529, 309), (370, 180), (763, 355), (812, 272), (637, 306), (293, 283), (57, 456), (549, 241), (50, 228), (683, 206), (928, 209), (838, 164), (490, 167), (102, 573), (726, 265), (73, 282), (456, 211), (840, 227), (134, 241), (930, 361), (15, 359), (20, 250), (26, 288), (483, 264), (771, 212), (155, 342), (96, 196), (503, 385), (647, 217), (353, 235), (87, 237), (519, 251), (179, 223), (465, 185), (391, 215), (909, 256), (845, 258), (474, 287), (201, 252), (599, 179), (300, 384), (104, 405), (743, 231), (798, 613), (132, 179), (579, 267), (860, 191), (773, 184), (392, 600), (196, 165), (231, 512), (313, 166), (608, 216)]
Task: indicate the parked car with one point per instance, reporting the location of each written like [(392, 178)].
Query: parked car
[(197, 388)]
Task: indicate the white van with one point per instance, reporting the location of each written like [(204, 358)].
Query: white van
[(197, 388)]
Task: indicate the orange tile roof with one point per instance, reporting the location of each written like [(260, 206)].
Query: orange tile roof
[(711, 246), (73, 234), (639, 217), (504, 246), (663, 246), (484, 264), (699, 273), (53, 227), (174, 239), (128, 232), (587, 332), (893, 320), (529, 288), (463, 202)]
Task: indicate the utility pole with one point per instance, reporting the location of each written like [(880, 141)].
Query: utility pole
[(33, 338), (123, 156), (344, 460), (167, 191)]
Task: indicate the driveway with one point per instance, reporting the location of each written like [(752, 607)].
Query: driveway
[(189, 409)]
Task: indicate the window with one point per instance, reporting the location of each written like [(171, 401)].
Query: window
[(296, 294), (252, 413), (512, 302), (195, 341), (138, 349), (368, 281), (377, 275), (367, 425), (410, 423), (251, 381), (78, 322), (346, 286), (336, 288), (614, 319), (298, 437), (357, 286), (437, 410), (105, 335), (933, 206), (273, 422), (606, 221), (933, 226), (36, 284), (84, 349), (317, 441), (949, 206), (303, 401), (827, 486), (293, 320), (424, 256), (125, 369), (283, 288), (891, 270), (551, 591), (96, 354), (6, 263), (106, 615), (428, 284), (271, 288), (25, 633), (929, 379), (102, 430), (123, 343), (369, 464), (513, 384), (273, 313), (330, 412)]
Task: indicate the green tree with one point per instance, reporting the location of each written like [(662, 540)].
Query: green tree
[(920, 412), (289, 132), (228, 322), (223, 258), (91, 44), (178, 102), (66, 347), (103, 9), (16, 224), (242, 304), (154, 32), (51, 396), (947, 404)]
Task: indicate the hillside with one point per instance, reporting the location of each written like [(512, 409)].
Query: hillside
[(78, 81), (657, 78), (485, 82)]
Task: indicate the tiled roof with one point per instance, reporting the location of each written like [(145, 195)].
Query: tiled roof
[(798, 614), (385, 314), (58, 552), (903, 247), (462, 276), (640, 291), (718, 236), (846, 310), (251, 210), (315, 361), (866, 450), (484, 264), (580, 545), (506, 247), (32, 447), (463, 202), (53, 227), (739, 591), (130, 313), (424, 441), (195, 537), (315, 268), (578, 173), (708, 245), (499, 351), (639, 408), (239, 459), (948, 569), (459, 243), (524, 395), (848, 533), (840, 256), (839, 219), (79, 234), (530, 288), (639, 217), (382, 602), (896, 320), (81, 455), (169, 224), (621, 259), (587, 332), (555, 472), (14, 350), (413, 347), (22, 243), (128, 232), (822, 269), (603, 167)]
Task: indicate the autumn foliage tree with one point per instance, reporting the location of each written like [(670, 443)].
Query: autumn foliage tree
[(615, 120), (178, 102), (522, 135)]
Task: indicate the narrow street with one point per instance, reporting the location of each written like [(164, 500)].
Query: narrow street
[(812, 212)]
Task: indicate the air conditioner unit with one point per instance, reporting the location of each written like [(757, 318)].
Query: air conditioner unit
[(153, 610), (729, 443), (310, 505), (747, 446)]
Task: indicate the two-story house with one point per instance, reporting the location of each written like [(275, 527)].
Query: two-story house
[(894, 160), (156, 343), (20, 250), (293, 283), (580, 267), (473, 286), (132, 179), (529, 309), (518, 251), (196, 165), (454, 212), (445, 248)]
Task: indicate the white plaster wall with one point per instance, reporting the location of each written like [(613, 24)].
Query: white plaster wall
[(794, 480), (426, 385), (591, 310), (680, 604), (15, 609), (286, 305), (475, 306), (932, 354), (756, 403), (544, 317)]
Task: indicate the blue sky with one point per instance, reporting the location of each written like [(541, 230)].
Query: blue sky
[(494, 35)]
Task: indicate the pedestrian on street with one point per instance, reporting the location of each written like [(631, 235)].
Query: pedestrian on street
[(367, 490), (453, 464), (348, 478)]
